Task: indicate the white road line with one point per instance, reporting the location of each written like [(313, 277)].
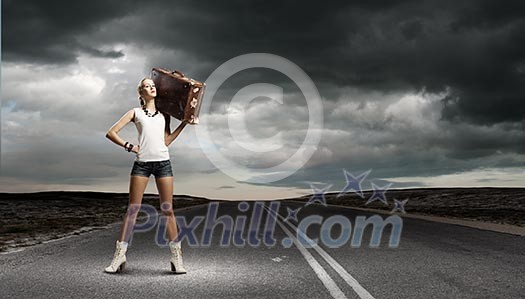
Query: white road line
[(328, 282), (349, 279)]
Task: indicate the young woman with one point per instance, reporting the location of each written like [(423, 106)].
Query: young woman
[(152, 157)]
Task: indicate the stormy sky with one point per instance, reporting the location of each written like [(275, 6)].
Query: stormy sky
[(422, 93)]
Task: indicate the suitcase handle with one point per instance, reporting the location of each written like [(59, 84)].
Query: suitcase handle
[(178, 73)]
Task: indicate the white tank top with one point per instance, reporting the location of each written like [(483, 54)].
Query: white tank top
[(151, 137)]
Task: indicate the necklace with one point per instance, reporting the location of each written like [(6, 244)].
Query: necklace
[(148, 113)]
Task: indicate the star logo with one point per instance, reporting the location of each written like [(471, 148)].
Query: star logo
[(292, 214), (318, 195), (399, 206), (353, 183), (379, 193)]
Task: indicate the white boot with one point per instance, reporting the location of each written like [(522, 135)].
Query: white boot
[(119, 259), (176, 259)]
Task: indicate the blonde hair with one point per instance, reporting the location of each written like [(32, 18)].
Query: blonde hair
[(139, 89)]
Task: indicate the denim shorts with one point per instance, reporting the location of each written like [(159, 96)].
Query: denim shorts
[(157, 168)]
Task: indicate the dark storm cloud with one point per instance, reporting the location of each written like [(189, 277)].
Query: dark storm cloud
[(480, 55), (486, 13), (45, 31), (226, 187), (100, 53), (477, 48), (474, 48)]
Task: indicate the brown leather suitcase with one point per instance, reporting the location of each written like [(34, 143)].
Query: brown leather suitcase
[(178, 95)]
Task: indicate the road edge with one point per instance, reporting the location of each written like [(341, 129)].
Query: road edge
[(495, 227)]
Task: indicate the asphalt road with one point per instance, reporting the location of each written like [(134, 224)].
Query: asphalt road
[(432, 260)]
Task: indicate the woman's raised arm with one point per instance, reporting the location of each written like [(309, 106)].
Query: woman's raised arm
[(169, 138)]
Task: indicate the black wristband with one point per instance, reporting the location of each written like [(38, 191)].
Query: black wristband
[(130, 147), (126, 146)]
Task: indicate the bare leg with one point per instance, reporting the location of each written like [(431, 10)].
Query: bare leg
[(165, 187), (137, 186)]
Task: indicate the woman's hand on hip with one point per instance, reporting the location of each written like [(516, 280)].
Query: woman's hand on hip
[(135, 149)]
